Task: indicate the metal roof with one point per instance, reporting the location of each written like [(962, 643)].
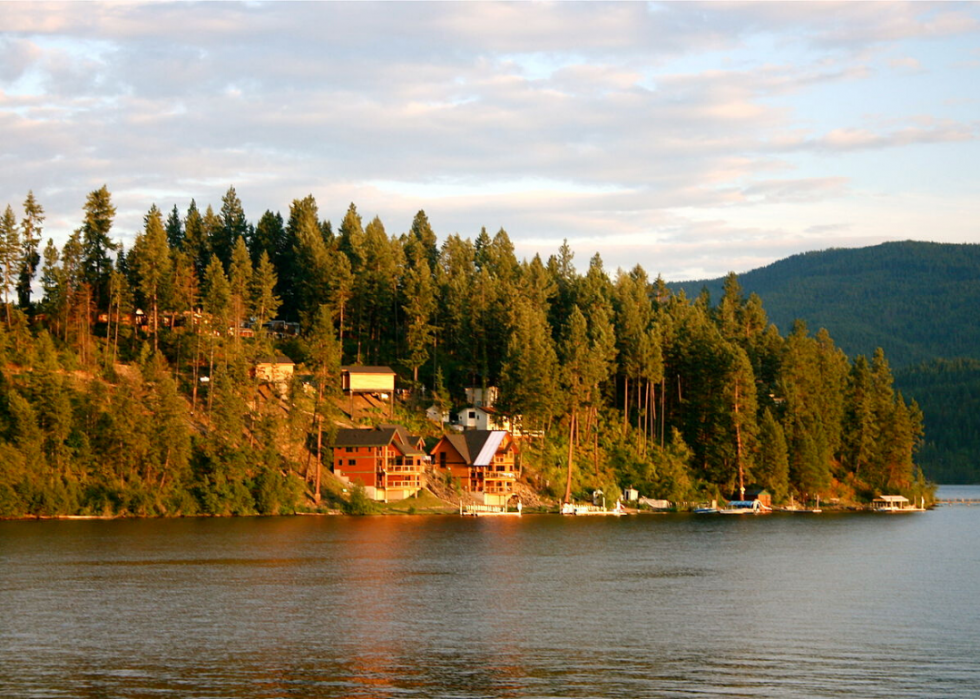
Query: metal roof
[(477, 447)]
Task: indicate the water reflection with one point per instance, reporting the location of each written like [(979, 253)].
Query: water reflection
[(467, 607)]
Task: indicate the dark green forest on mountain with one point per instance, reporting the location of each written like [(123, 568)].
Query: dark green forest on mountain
[(919, 301), (126, 388)]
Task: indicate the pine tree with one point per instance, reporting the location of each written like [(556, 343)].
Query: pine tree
[(575, 380), (240, 279), (195, 241), (175, 230), (419, 308), (233, 226), (30, 240), (96, 243), (10, 255), (270, 238), (217, 295), (265, 303), (529, 372), (772, 462), (425, 238), (152, 264)]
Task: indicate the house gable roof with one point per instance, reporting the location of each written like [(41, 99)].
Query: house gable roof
[(368, 370), (477, 447), (364, 438)]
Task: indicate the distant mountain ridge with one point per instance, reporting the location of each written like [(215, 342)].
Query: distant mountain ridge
[(920, 302), (916, 300)]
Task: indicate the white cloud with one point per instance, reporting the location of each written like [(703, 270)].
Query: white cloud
[(598, 122)]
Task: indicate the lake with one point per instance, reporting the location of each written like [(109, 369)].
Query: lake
[(784, 605)]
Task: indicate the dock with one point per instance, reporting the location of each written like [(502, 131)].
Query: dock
[(489, 511)]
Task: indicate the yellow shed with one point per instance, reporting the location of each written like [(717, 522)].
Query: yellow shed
[(367, 379)]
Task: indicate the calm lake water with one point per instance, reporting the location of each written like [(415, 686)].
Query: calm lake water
[(856, 605)]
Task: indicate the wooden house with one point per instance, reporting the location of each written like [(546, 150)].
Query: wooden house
[(386, 460), (481, 461)]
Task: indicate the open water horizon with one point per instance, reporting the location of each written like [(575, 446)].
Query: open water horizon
[(830, 605)]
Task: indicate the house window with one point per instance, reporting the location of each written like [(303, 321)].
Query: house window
[(472, 415), (349, 449), (442, 459), (351, 462)]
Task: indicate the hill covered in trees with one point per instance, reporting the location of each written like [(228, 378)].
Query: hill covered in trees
[(916, 299), (103, 409)]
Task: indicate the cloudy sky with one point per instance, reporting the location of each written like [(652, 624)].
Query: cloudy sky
[(691, 139)]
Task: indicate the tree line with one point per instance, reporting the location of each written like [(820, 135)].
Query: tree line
[(632, 384)]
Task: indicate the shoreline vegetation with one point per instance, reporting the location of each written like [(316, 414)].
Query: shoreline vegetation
[(130, 384)]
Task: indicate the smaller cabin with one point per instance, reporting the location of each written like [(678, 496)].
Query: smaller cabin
[(753, 493), (437, 415), (367, 379), (483, 418), (630, 495)]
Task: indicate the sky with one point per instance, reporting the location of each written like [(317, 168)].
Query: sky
[(692, 139)]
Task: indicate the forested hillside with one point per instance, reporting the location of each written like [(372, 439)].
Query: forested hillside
[(948, 391), (917, 300), (126, 388)]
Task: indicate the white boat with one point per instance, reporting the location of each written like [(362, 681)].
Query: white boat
[(896, 503), (745, 507), (706, 508)]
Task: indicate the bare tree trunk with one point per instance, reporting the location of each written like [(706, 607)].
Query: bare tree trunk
[(319, 458), (738, 446), (595, 443), (211, 379), (194, 371), (626, 403), (571, 451), (115, 340), (663, 409)]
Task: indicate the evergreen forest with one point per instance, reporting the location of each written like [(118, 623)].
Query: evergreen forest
[(126, 384), (915, 298)]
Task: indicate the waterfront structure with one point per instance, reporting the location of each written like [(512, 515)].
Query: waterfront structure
[(895, 503), (386, 460), (481, 462)]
